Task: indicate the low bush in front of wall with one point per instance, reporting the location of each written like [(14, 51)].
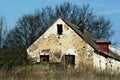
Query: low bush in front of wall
[(12, 57)]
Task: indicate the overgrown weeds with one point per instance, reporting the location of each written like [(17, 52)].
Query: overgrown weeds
[(44, 71)]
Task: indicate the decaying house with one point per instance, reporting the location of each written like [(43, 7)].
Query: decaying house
[(63, 42)]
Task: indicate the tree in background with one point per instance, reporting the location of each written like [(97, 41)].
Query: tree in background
[(25, 32), (31, 26), (102, 28), (2, 31), (98, 25), (68, 11)]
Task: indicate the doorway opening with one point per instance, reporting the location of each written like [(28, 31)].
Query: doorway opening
[(70, 59)]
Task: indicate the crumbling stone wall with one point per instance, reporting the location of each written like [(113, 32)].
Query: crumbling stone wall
[(69, 43), (106, 64)]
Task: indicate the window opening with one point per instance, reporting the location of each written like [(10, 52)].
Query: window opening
[(44, 58), (59, 29)]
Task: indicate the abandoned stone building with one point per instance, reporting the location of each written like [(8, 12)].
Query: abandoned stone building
[(63, 42)]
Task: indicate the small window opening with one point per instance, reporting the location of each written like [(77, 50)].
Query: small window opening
[(106, 66), (100, 64), (44, 58), (117, 68), (59, 29)]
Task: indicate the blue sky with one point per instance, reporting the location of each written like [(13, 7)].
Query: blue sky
[(11, 10)]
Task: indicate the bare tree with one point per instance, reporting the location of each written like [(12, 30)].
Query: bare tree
[(99, 26), (102, 28), (2, 30), (68, 11), (31, 26), (26, 31)]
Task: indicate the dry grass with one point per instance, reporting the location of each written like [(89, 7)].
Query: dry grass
[(48, 72)]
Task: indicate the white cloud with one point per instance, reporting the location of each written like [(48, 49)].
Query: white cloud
[(115, 49)]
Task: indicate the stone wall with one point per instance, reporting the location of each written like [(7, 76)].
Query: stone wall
[(106, 64), (69, 43)]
